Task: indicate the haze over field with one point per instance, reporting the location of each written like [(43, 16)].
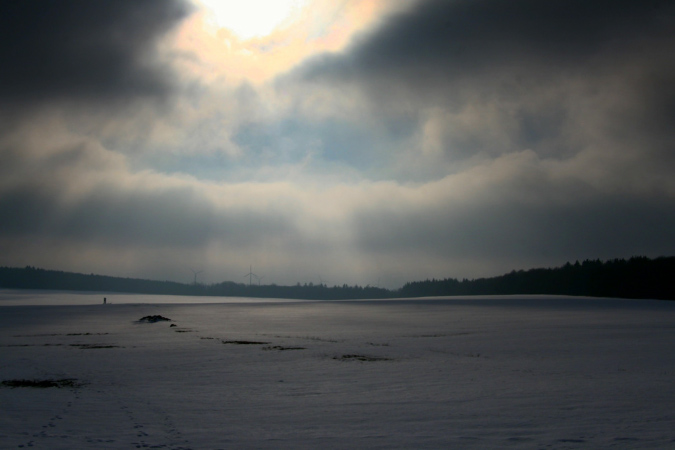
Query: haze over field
[(352, 141)]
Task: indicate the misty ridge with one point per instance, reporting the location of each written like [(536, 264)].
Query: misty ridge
[(637, 277)]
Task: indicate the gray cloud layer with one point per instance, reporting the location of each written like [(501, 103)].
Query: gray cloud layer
[(459, 138), (558, 116), (442, 39), (77, 49), (520, 74)]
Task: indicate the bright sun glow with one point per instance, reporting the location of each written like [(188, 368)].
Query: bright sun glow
[(253, 18)]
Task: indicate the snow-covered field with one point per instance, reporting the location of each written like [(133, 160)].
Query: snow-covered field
[(489, 372)]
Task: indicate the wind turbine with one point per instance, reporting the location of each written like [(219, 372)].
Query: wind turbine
[(250, 275), (196, 273), (260, 279)]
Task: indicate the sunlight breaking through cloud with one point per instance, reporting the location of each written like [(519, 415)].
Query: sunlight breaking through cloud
[(358, 139)]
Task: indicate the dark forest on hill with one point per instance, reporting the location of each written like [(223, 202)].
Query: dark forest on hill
[(637, 277)]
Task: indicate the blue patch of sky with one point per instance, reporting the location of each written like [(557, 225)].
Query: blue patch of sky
[(325, 145), (360, 146)]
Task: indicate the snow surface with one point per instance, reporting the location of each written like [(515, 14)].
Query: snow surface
[(488, 372)]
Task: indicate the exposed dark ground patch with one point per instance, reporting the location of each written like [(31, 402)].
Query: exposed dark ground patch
[(86, 334), (306, 338), (282, 348), (48, 383), (32, 345), (94, 346), (245, 342), (361, 358), (435, 335), (60, 334)]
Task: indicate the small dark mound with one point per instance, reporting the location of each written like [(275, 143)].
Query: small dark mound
[(64, 382), (245, 342), (154, 319), (173, 325)]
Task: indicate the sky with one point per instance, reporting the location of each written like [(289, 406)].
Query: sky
[(360, 142)]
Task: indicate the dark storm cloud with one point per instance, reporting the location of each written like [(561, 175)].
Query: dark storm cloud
[(443, 38), (459, 138), (513, 234), (85, 50), (525, 68), (546, 129)]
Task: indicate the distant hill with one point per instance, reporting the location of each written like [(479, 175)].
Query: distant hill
[(36, 278), (637, 277)]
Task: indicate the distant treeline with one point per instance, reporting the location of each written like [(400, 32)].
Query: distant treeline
[(638, 277), (35, 278)]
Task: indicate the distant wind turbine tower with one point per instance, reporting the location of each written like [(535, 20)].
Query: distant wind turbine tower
[(196, 273), (250, 275)]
